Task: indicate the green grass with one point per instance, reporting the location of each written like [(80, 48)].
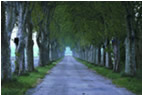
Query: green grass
[(133, 84), (20, 84)]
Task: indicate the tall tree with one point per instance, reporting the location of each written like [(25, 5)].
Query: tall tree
[(20, 51), (130, 65), (8, 21), (29, 41), (44, 31)]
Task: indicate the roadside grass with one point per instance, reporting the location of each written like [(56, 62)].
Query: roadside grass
[(133, 84), (20, 84)]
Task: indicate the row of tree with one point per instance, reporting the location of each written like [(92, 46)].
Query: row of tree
[(108, 34), (104, 33), (29, 17)]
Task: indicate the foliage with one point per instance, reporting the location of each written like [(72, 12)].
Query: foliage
[(82, 23), (87, 23), (37, 15)]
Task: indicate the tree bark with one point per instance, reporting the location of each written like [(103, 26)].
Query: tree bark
[(43, 49), (102, 56), (130, 64), (29, 47), (99, 56), (107, 55), (21, 35), (94, 55), (43, 40), (50, 52), (8, 20), (116, 52), (5, 49)]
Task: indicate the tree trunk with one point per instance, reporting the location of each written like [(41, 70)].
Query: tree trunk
[(8, 25), (54, 51), (44, 35), (43, 56), (43, 52), (21, 35), (116, 51), (5, 49), (29, 48), (23, 67), (99, 56), (102, 56), (130, 64), (107, 62), (94, 55), (86, 53), (50, 52)]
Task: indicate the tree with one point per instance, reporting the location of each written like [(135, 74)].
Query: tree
[(130, 65), (47, 9), (20, 53), (29, 41), (8, 20)]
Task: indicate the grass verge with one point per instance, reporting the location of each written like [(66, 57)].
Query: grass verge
[(131, 83), (20, 84)]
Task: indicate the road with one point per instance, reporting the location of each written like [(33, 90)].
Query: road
[(70, 77)]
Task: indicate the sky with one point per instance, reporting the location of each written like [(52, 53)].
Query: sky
[(68, 51)]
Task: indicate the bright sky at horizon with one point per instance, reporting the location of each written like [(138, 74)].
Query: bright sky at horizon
[(68, 51)]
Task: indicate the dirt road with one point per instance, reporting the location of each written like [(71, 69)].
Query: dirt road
[(70, 77)]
